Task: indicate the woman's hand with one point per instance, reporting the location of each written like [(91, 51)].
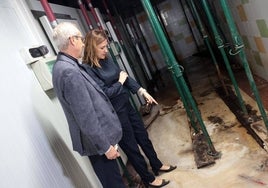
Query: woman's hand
[(122, 77), (149, 99)]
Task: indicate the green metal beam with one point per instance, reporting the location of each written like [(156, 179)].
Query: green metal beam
[(176, 72), (239, 49), (207, 42), (220, 45)]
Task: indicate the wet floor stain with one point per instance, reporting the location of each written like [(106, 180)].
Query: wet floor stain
[(241, 155)]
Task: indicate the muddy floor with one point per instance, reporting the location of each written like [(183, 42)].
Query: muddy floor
[(243, 162)]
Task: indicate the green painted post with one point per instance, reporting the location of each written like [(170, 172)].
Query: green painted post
[(180, 89), (239, 50), (205, 37), (177, 75), (220, 45)]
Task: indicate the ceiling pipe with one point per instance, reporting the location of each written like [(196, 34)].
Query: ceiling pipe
[(49, 13), (94, 13), (112, 20), (84, 12)]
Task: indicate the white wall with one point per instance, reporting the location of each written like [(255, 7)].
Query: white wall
[(250, 18), (35, 144)]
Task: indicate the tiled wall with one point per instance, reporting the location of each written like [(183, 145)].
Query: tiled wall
[(251, 18), (183, 40), (151, 40), (178, 28)]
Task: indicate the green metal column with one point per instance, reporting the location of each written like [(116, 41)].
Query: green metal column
[(177, 75), (206, 40), (220, 45), (238, 49)]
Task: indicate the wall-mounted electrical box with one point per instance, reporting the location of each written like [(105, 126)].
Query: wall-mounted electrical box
[(42, 70), (34, 53)]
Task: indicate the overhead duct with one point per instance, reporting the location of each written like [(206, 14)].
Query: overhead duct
[(50, 15), (94, 13), (84, 12)]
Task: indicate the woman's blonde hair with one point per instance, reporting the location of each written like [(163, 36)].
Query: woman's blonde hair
[(93, 38)]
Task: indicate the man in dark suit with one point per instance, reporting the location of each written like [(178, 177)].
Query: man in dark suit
[(94, 126)]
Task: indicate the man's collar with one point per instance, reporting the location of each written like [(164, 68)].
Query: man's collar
[(69, 56)]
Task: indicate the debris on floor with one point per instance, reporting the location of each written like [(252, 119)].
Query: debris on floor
[(241, 154), (167, 109), (201, 151)]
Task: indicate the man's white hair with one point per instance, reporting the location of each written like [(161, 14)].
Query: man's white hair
[(62, 32)]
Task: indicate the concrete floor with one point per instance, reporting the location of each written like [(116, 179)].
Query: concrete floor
[(243, 163)]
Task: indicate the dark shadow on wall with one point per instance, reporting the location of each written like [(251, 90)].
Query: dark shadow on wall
[(70, 166)]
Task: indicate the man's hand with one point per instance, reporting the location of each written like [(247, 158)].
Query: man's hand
[(112, 153)]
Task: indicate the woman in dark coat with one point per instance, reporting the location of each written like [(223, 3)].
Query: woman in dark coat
[(116, 84)]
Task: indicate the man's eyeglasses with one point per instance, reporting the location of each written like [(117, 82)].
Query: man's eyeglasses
[(82, 38)]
